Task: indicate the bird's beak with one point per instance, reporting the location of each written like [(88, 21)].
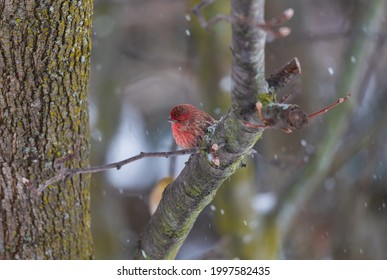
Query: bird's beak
[(171, 120)]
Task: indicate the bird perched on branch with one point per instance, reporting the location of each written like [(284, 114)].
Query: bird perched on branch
[(189, 125)]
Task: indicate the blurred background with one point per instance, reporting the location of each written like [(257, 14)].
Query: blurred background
[(318, 193)]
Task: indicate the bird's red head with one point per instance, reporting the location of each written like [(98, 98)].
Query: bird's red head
[(182, 112)]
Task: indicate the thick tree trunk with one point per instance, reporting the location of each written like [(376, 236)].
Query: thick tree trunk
[(44, 69)]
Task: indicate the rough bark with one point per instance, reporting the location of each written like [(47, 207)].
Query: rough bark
[(44, 69), (248, 46), (197, 184)]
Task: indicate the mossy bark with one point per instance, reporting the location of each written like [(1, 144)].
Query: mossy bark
[(44, 69)]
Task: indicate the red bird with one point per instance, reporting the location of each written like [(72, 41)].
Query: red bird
[(189, 125)]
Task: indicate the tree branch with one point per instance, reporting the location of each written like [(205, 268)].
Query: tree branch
[(248, 46), (67, 172), (197, 184), (288, 72)]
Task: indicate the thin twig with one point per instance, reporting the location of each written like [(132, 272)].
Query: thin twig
[(67, 173), (327, 108)]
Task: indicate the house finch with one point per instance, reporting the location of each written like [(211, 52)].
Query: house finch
[(189, 125)]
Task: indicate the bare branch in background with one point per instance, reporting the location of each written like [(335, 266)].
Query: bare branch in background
[(65, 173)]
